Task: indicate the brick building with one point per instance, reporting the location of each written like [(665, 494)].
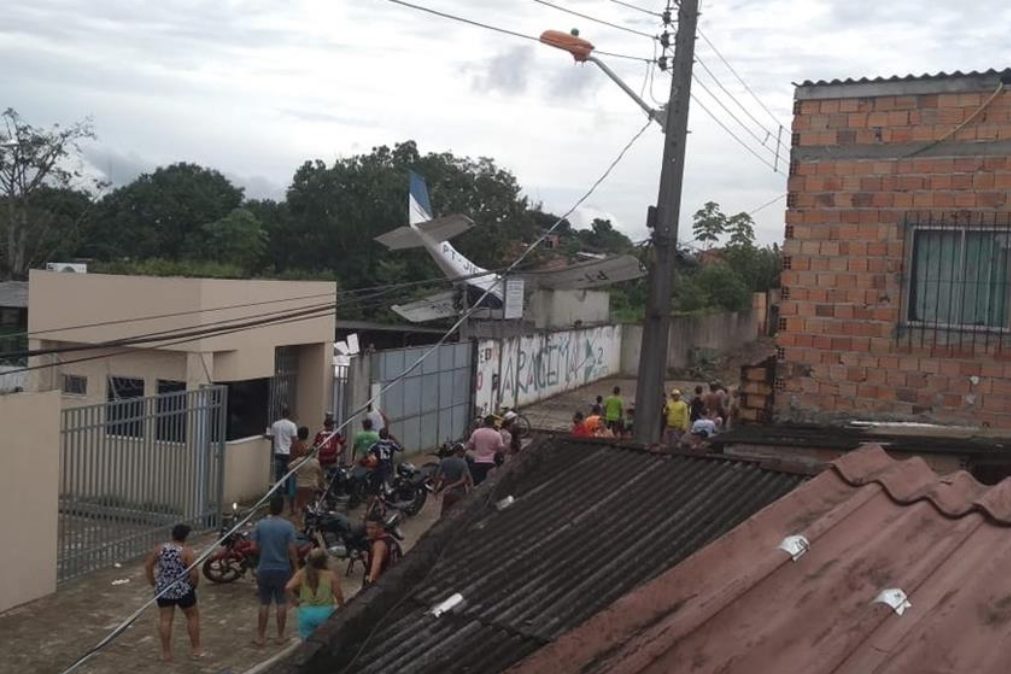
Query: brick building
[(896, 273)]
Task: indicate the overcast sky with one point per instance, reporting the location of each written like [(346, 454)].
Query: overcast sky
[(255, 88)]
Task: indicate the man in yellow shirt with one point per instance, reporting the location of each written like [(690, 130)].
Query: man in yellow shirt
[(676, 414)]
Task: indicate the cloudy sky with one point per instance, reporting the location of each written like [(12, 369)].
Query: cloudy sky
[(254, 88)]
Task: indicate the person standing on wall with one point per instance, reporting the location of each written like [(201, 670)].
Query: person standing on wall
[(283, 433)]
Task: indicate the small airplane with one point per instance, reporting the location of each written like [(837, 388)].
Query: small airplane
[(474, 282)]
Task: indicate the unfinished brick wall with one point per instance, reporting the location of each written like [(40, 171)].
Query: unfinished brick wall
[(863, 163)]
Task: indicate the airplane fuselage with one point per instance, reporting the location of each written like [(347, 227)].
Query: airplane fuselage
[(455, 265)]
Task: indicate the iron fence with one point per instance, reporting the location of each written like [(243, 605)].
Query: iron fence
[(121, 493)]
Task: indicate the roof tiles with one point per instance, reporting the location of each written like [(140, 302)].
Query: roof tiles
[(742, 604), (910, 77), (589, 523)]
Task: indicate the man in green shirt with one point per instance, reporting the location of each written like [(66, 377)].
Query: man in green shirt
[(363, 440), (614, 410)]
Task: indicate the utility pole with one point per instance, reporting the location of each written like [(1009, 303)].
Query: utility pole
[(656, 325)]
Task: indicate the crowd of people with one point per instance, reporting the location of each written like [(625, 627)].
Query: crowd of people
[(684, 424), (314, 588)]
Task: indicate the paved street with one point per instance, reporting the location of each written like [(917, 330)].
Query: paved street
[(49, 634), (555, 414)]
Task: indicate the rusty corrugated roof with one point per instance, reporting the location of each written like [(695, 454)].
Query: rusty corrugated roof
[(590, 522), (742, 605)]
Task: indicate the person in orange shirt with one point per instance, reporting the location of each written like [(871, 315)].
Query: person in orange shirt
[(579, 429)]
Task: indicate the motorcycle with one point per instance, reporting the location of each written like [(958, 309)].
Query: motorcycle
[(342, 538), (347, 487), (409, 489), (238, 552)]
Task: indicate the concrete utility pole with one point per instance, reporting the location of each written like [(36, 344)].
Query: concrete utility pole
[(656, 325)]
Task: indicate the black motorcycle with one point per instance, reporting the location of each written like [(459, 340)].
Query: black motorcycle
[(343, 538), (408, 490), (347, 488)]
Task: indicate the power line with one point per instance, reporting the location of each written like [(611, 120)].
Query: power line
[(730, 112), (637, 8), (734, 98), (594, 19), (733, 135), (739, 78), (504, 31), (119, 629), (766, 204)]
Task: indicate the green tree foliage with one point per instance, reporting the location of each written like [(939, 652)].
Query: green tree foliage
[(161, 214), (709, 223), (41, 203), (238, 238), (602, 237)]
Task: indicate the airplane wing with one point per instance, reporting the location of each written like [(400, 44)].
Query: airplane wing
[(591, 274), (439, 305), (440, 229)]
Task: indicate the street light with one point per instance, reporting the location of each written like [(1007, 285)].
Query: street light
[(582, 51)]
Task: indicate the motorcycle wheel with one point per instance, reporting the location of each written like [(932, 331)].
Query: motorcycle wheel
[(521, 425), (222, 570), (417, 501)]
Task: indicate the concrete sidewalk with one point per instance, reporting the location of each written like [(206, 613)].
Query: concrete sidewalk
[(49, 634)]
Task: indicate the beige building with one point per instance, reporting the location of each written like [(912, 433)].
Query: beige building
[(277, 350)]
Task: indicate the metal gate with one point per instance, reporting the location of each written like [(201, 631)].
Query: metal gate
[(434, 403), (133, 468), (341, 377)]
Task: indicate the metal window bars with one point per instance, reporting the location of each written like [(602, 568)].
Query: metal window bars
[(956, 283)]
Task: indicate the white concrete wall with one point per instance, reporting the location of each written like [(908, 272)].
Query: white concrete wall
[(522, 370), (29, 481), (247, 469), (561, 309), (715, 334)]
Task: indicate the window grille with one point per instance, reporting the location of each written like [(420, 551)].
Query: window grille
[(75, 385), (124, 410)]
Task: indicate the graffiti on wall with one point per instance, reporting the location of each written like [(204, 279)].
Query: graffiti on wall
[(522, 370)]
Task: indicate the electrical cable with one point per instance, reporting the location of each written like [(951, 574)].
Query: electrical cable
[(730, 112), (747, 112), (734, 136), (766, 204), (595, 20), (504, 31), (119, 629), (636, 7), (740, 79)]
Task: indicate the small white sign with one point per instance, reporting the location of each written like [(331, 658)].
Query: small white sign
[(513, 298)]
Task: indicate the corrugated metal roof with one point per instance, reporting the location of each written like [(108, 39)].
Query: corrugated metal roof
[(14, 294), (1006, 72), (590, 523), (873, 524)]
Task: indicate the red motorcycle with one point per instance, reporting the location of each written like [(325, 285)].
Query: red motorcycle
[(238, 553)]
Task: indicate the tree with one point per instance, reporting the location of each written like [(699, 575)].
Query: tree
[(602, 237), (709, 224), (742, 230), (159, 213), (42, 207), (237, 239)]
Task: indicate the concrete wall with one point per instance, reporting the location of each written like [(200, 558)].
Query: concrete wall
[(562, 309), (247, 469), (712, 334), (522, 370), (867, 161), (28, 496)]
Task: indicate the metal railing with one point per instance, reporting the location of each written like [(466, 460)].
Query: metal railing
[(121, 493)]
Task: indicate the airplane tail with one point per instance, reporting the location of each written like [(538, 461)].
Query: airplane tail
[(419, 210)]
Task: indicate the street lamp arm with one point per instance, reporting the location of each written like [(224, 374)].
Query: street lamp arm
[(582, 51), (658, 116)]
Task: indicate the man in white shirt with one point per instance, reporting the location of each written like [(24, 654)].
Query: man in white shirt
[(377, 418), (282, 432)]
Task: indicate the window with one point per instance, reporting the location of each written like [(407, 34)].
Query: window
[(248, 405), (124, 412), (170, 411), (959, 277), (75, 385), (285, 381)]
